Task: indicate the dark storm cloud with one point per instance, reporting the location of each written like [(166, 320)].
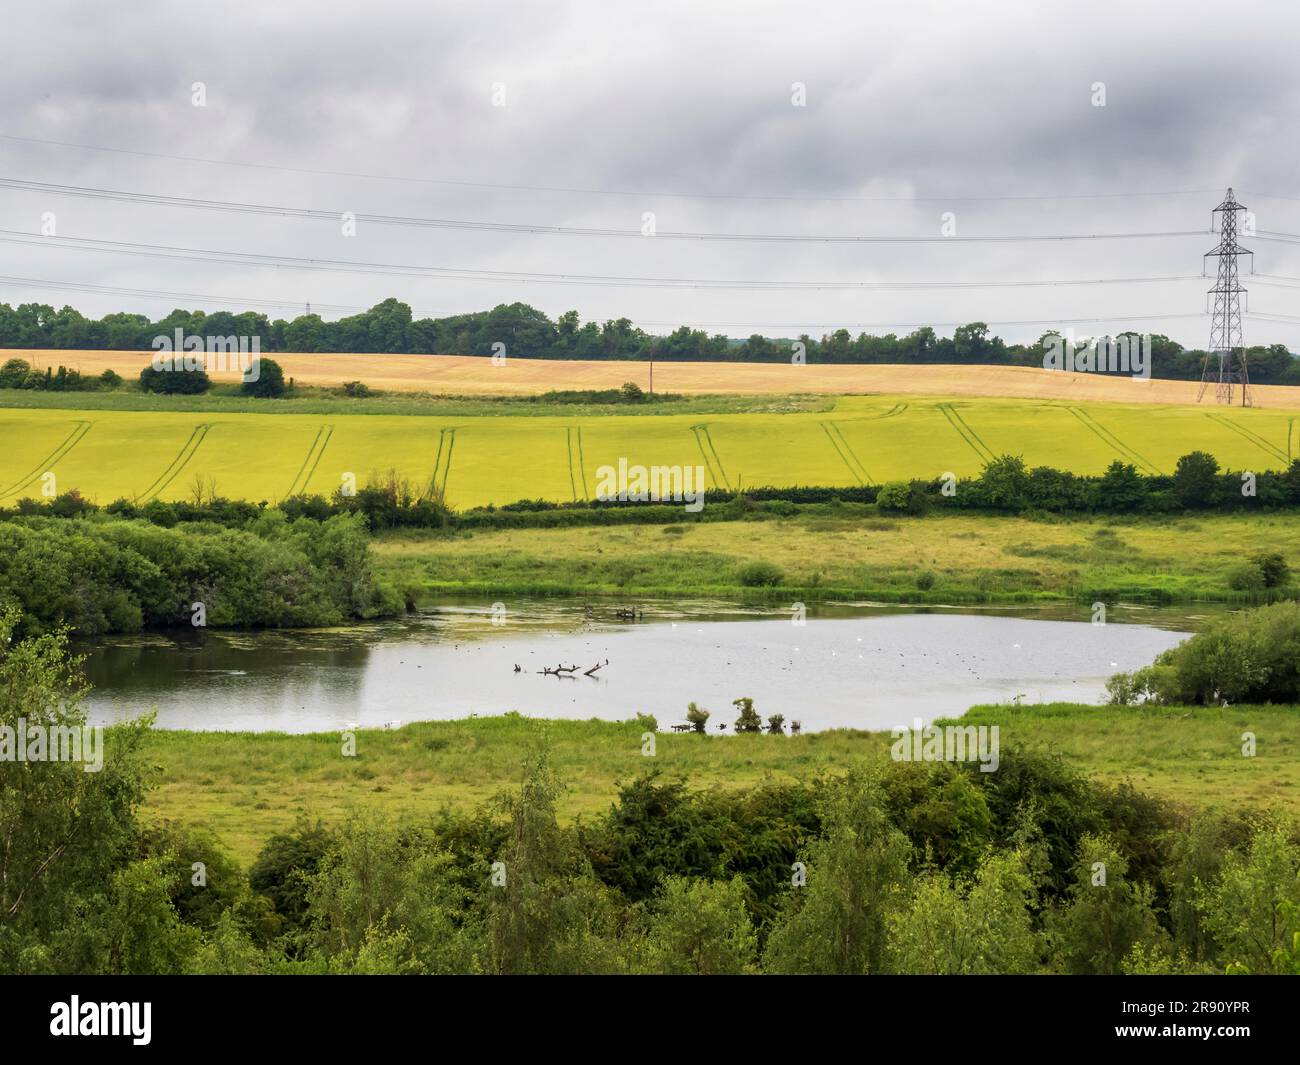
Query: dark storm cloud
[(943, 101)]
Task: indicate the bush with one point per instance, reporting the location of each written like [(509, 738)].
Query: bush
[(111, 379), (356, 389), (1246, 578), (925, 580), (697, 716), (1004, 483), (13, 374), (760, 575), (178, 382), (749, 721), (1273, 568), (1265, 570), (1196, 479), (895, 497), (270, 380), (1251, 657)]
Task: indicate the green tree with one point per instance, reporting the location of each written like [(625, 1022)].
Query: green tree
[(749, 719), (1004, 483), (697, 716), (546, 913), (1253, 910), (1106, 914), (270, 380), (67, 832), (980, 928), (857, 874), (1121, 488), (1196, 479), (701, 928)]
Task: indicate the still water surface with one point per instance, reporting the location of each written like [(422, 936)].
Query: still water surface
[(856, 666)]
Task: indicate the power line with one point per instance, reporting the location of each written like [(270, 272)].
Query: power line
[(148, 293), (525, 277), (317, 214), (630, 193)]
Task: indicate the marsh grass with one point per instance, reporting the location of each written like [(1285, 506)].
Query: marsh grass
[(247, 786)]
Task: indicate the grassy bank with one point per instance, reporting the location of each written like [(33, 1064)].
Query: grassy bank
[(229, 399), (942, 558), (246, 786)]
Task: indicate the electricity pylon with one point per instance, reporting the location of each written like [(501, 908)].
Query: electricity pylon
[(1225, 361)]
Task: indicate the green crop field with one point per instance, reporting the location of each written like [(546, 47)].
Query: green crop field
[(144, 454)]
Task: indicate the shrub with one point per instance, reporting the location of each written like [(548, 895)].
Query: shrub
[(1246, 578), (1272, 568), (1251, 657), (1196, 478), (895, 497), (1260, 572), (270, 380), (177, 382), (925, 580), (749, 721), (760, 575), (356, 389), (13, 374), (1004, 483)]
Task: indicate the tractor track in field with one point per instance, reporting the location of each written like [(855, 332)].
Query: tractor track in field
[(1249, 434), (968, 434), (846, 453), (81, 428), (1111, 440), (572, 445), (703, 437), (182, 459), (308, 468), (446, 443)]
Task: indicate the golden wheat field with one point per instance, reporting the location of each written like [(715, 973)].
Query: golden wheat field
[(474, 375)]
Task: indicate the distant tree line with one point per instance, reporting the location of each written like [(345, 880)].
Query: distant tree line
[(526, 332)]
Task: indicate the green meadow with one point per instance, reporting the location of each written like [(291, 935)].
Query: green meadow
[(851, 552), (496, 458), (247, 786)]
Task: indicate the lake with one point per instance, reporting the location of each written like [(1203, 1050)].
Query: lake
[(858, 666)]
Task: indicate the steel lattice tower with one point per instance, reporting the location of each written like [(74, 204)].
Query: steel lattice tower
[(1225, 361)]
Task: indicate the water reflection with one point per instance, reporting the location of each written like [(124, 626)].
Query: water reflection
[(849, 665)]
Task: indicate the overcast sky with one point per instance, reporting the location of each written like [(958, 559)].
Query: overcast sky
[(685, 110)]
